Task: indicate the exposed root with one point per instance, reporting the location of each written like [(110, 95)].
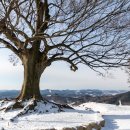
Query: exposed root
[(7, 105), (32, 106)]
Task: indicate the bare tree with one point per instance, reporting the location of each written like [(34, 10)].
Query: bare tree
[(41, 32)]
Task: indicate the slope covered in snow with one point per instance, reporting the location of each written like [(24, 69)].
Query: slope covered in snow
[(116, 117), (50, 118)]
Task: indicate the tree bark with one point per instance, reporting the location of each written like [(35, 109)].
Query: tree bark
[(32, 74)]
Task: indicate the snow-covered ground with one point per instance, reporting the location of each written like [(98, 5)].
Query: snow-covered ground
[(49, 119), (116, 117)]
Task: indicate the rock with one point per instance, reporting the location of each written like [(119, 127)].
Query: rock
[(68, 129), (81, 128), (102, 123), (96, 126)]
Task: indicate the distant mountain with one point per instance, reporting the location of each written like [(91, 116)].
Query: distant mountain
[(8, 93), (78, 93), (70, 96), (64, 93), (123, 98)]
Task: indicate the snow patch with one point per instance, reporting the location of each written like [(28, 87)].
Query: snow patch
[(117, 117), (105, 108), (50, 119)]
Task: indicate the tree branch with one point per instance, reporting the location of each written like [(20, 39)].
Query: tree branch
[(9, 46)]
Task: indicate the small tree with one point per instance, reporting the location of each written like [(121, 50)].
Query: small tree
[(41, 32)]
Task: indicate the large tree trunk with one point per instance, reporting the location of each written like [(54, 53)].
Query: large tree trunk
[(33, 68), (32, 74)]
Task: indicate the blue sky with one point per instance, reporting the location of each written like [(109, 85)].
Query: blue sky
[(59, 76)]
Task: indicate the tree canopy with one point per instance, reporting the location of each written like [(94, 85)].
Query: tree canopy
[(90, 32)]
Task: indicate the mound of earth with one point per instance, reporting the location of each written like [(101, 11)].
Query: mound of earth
[(37, 115), (31, 106)]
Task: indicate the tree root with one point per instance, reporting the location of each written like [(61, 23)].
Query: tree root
[(32, 106), (10, 105)]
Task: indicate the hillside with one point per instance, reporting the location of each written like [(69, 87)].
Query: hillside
[(123, 98), (64, 93), (69, 96)]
